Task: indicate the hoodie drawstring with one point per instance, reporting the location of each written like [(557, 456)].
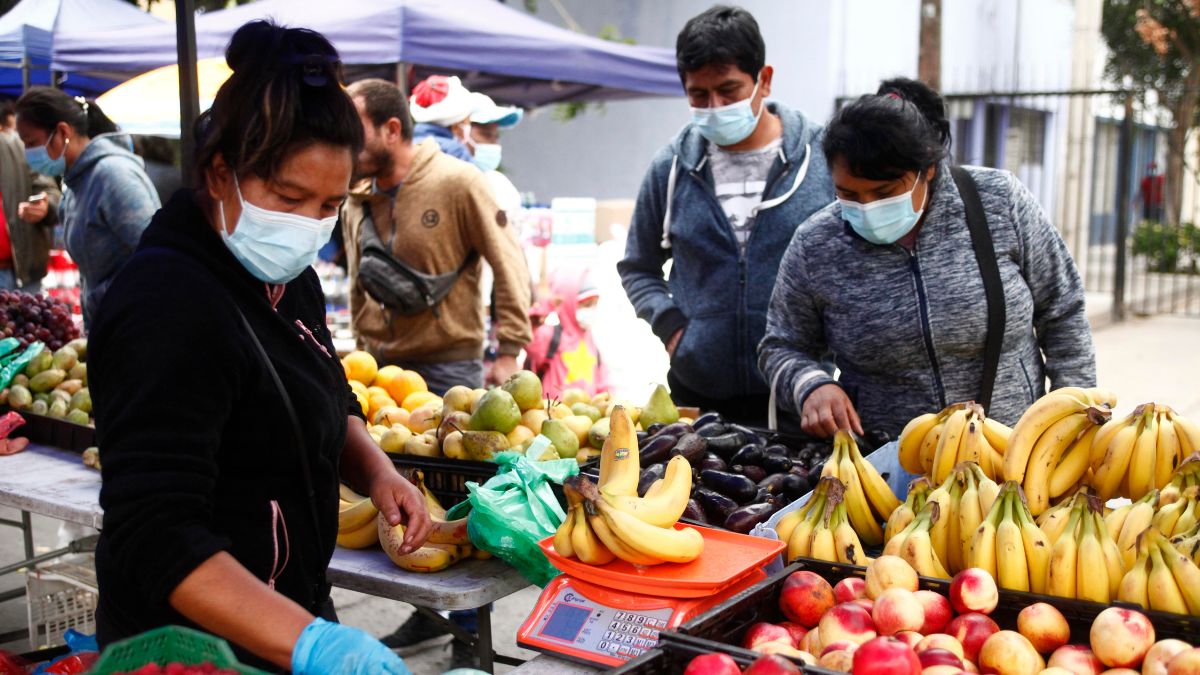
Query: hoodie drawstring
[(666, 226), (800, 174)]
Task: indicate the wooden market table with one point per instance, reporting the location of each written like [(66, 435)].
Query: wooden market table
[(55, 483)]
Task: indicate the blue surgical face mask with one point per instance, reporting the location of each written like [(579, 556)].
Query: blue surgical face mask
[(729, 124), (884, 221), (273, 246), (39, 158), (487, 156)]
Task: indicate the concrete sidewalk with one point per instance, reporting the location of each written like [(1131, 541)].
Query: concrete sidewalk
[(1151, 359)]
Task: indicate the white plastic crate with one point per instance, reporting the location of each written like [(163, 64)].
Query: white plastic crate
[(61, 596)]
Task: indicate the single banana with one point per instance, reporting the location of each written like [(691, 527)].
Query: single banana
[(1012, 569), (997, 434), (939, 528), (883, 500), (918, 491), (973, 445), (1064, 558), (609, 546), (911, 439), (1040, 416), (1168, 453), (1115, 519), (364, 537), (1141, 462), (1113, 563), (929, 446), (1115, 464), (845, 540), (448, 531), (987, 488), (1074, 463), (1188, 431), (1047, 452), (1104, 437), (800, 542), (1135, 583), (1139, 516), (1037, 547), (1168, 516), (659, 543), (1165, 594), (946, 455), (1091, 571), (917, 547), (822, 546), (956, 530), (786, 524), (666, 507), (358, 515), (562, 536), (430, 558), (1186, 574), (620, 469), (857, 507), (1102, 397)]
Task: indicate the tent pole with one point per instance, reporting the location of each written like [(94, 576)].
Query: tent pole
[(24, 71), (189, 88), (401, 78)]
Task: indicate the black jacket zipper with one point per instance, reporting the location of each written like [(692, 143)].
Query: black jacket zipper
[(926, 329)]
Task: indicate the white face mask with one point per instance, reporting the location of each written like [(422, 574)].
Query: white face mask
[(274, 246), (585, 317)]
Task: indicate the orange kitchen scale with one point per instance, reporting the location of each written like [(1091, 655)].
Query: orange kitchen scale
[(608, 614)]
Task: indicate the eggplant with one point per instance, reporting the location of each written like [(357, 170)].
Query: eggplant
[(653, 429), (712, 461), (642, 437), (743, 519), (657, 449), (763, 495), (712, 429), (707, 418), (793, 485), (737, 488), (677, 429), (776, 449), (693, 448), (693, 511), (749, 454), (773, 483), (717, 506), (751, 435), (649, 475), (726, 444), (754, 473), (776, 464)]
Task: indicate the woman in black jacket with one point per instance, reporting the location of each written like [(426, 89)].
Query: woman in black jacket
[(220, 502)]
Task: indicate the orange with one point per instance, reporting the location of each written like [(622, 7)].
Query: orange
[(378, 391), (387, 377), (401, 384), (358, 387), (362, 401), (420, 398), (377, 403), (360, 366)]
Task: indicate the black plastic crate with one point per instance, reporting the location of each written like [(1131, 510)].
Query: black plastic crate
[(54, 432), (730, 620), (447, 478), (674, 652)]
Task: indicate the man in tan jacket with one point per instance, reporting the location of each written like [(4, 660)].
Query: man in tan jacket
[(437, 215)]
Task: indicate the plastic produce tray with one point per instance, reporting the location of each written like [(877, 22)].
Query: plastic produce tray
[(674, 652), (54, 432), (167, 644), (447, 478)]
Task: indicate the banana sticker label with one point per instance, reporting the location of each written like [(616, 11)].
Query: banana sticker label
[(621, 453)]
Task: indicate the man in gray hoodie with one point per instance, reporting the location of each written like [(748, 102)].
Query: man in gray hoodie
[(722, 201)]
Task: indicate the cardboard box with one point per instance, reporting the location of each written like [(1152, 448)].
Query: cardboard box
[(611, 212)]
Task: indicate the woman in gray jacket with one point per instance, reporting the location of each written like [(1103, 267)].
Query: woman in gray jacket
[(886, 279)]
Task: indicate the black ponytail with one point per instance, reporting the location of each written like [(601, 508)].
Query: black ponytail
[(47, 107), (900, 129), (285, 93)]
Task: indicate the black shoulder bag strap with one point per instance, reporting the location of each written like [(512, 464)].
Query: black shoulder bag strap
[(298, 436), (993, 287), (551, 350)]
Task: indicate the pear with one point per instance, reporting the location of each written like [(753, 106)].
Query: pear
[(458, 398), (456, 420), (497, 411), (660, 409), (393, 440), (573, 395), (526, 389), (482, 446), (562, 436), (581, 425), (422, 445), (452, 446), (598, 433), (533, 419), (587, 410)]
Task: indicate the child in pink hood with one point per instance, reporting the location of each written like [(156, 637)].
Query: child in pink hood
[(563, 352)]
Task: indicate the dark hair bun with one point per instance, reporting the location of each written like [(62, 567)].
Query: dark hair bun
[(263, 49), (928, 101)]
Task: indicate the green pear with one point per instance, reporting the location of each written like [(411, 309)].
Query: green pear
[(598, 433), (564, 440), (660, 409), (482, 446), (497, 411), (587, 410), (526, 389)]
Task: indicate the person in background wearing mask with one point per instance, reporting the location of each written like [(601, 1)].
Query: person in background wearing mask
[(441, 109), (107, 198), (887, 279), (483, 140), (221, 472), (29, 214), (721, 201), (563, 352)]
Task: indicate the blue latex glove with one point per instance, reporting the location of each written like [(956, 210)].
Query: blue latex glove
[(326, 647)]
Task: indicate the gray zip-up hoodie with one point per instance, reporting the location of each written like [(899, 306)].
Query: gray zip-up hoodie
[(908, 328), (107, 202)]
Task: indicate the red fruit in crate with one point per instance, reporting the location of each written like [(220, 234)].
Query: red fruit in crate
[(850, 589), (910, 638), (1010, 653), (885, 656), (974, 590), (1121, 637), (972, 630), (937, 611), (1044, 626), (772, 664), (1078, 659), (1185, 663), (839, 646), (939, 657), (940, 641), (1158, 659), (846, 621), (805, 598), (889, 571), (713, 664), (798, 632), (838, 660), (766, 632), (897, 609)]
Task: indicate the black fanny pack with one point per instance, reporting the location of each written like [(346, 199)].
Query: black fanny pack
[(394, 284)]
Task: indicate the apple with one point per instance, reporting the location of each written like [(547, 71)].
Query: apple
[(1078, 659), (885, 656), (805, 597), (798, 632), (940, 641), (1185, 663), (937, 611), (940, 657), (1121, 637), (1007, 652), (897, 609), (772, 664), (910, 638), (847, 621), (850, 589), (866, 603), (889, 571), (1055, 670), (974, 590), (811, 642), (942, 670), (766, 632), (1158, 659), (782, 648), (713, 664), (840, 645), (1044, 626), (838, 660), (971, 630)]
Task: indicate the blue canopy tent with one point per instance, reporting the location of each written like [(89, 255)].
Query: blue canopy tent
[(28, 32), (501, 51)]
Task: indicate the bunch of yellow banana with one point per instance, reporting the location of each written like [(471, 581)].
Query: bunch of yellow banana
[(609, 520), (823, 530), (1162, 578), (431, 557), (356, 520), (1126, 522), (799, 523), (1188, 543), (970, 495), (1009, 544), (934, 443), (1179, 516), (1140, 452), (1085, 562), (918, 492), (1053, 520), (869, 500), (915, 545), (1050, 447), (1185, 476)]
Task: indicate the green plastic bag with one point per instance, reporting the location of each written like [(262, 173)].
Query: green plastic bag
[(516, 509)]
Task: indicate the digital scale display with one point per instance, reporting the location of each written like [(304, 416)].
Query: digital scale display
[(577, 622), (566, 622)]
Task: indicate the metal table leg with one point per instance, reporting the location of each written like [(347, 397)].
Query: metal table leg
[(483, 645), (27, 528)]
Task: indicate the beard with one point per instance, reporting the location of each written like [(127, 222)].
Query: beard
[(373, 161)]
